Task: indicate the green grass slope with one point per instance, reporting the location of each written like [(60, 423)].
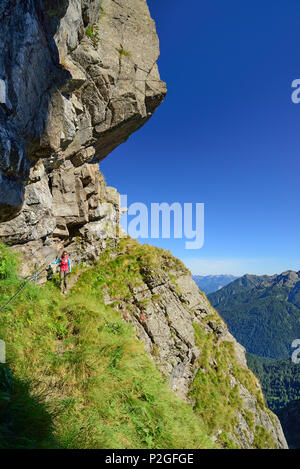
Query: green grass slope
[(214, 399), (77, 377)]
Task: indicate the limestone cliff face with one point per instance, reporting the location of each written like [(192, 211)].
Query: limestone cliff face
[(77, 78)]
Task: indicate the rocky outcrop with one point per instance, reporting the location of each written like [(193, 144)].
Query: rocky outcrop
[(71, 208), (164, 308), (89, 81), (78, 77), (164, 305)]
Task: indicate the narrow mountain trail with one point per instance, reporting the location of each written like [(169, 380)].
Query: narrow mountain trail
[(74, 279)]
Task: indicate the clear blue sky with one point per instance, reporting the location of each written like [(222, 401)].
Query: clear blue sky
[(227, 135)]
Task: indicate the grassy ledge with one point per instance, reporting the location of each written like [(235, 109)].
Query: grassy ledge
[(76, 377)]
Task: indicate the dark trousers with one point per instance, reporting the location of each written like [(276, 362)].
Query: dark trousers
[(63, 275)]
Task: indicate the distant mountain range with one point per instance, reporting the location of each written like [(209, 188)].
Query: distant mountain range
[(211, 283), (263, 312)]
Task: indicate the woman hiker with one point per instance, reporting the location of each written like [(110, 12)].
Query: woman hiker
[(65, 269)]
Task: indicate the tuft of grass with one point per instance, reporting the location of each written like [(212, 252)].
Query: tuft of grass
[(123, 53), (216, 399), (8, 265), (93, 33), (262, 438)]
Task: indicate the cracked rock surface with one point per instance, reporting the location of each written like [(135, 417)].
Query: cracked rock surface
[(77, 79), (164, 306)]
